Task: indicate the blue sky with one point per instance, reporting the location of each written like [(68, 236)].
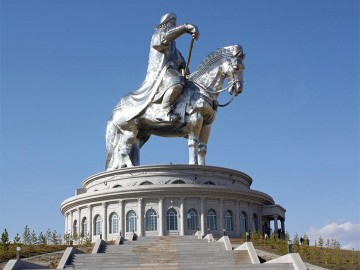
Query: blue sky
[(294, 129)]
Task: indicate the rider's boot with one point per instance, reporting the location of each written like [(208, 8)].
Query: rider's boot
[(169, 98), (169, 115)]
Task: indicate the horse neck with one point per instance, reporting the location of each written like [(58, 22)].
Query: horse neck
[(212, 80)]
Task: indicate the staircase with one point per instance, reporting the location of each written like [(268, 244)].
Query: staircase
[(168, 252)]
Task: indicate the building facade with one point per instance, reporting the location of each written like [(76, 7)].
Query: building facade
[(170, 200)]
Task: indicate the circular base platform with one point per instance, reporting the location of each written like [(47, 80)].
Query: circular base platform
[(168, 200)]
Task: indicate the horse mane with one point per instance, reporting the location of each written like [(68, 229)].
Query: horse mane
[(210, 59)]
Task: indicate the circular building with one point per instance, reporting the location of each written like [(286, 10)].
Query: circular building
[(170, 200)]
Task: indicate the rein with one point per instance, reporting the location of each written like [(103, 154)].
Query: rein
[(227, 103), (218, 92)]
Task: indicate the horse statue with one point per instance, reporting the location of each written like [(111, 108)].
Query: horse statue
[(197, 107)]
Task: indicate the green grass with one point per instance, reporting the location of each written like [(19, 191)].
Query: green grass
[(330, 258), (27, 251), (9, 253)]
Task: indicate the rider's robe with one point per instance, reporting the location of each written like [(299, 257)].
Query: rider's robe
[(165, 62)]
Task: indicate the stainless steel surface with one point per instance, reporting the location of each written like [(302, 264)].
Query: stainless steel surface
[(168, 105)]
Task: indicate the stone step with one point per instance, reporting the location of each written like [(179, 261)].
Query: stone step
[(172, 252), (192, 267)]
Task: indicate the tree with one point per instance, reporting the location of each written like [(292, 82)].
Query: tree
[(42, 239), (67, 238), (321, 242), (326, 256), (26, 235), (296, 243), (17, 239), (54, 238), (33, 238), (48, 236), (5, 240), (337, 255)]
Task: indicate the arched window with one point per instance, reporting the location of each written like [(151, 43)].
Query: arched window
[(243, 222), (255, 223), (192, 219), (75, 228), (209, 183), (97, 225), (146, 183), (171, 220), (131, 221), (84, 224), (151, 220), (114, 223), (117, 186), (211, 220), (178, 182), (228, 221)]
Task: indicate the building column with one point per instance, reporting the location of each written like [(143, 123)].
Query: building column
[(283, 227), (78, 223), (161, 223), (202, 216), (221, 216), (140, 217), (90, 222), (182, 217), (104, 223), (276, 225), (66, 219), (72, 223), (250, 219), (121, 217), (237, 219)]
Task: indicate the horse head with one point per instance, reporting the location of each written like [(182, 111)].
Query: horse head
[(234, 69)]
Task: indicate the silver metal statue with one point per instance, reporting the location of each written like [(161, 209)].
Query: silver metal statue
[(167, 104)]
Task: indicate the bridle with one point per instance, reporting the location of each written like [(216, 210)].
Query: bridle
[(232, 82)]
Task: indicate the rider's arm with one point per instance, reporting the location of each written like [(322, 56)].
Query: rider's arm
[(174, 33)]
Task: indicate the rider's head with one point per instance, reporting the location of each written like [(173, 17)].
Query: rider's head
[(168, 17)]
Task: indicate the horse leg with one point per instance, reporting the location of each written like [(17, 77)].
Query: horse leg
[(194, 128), (128, 137), (203, 140), (125, 146), (135, 153), (111, 138)]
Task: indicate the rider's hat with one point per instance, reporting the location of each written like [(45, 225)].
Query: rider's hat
[(166, 18)]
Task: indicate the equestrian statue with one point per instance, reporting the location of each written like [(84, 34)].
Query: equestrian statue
[(172, 102)]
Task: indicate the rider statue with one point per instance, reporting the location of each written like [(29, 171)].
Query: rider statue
[(163, 51), (164, 80)]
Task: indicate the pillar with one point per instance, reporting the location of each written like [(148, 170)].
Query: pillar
[(90, 222), (66, 219), (283, 227), (104, 223), (221, 215), (249, 218), (276, 225), (121, 218), (237, 219), (182, 217), (161, 223), (140, 217), (202, 216), (78, 222), (72, 223)]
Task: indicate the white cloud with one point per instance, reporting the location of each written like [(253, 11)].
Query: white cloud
[(347, 234)]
